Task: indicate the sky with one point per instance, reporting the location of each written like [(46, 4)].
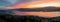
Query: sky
[(6, 3), (22, 3), (34, 2)]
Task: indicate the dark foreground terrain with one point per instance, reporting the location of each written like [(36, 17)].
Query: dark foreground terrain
[(16, 18)]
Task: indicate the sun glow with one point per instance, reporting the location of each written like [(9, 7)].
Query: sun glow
[(44, 5)]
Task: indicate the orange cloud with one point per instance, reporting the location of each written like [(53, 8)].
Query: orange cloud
[(26, 4)]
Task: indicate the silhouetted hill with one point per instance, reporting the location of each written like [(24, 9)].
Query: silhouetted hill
[(45, 9)]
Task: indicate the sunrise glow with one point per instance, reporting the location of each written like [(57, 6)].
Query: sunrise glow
[(44, 5), (37, 4)]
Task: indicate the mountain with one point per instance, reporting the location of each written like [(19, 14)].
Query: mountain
[(45, 9)]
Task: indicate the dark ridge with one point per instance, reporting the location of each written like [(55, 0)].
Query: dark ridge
[(45, 9)]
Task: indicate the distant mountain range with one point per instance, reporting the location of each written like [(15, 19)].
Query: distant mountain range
[(45, 9)]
